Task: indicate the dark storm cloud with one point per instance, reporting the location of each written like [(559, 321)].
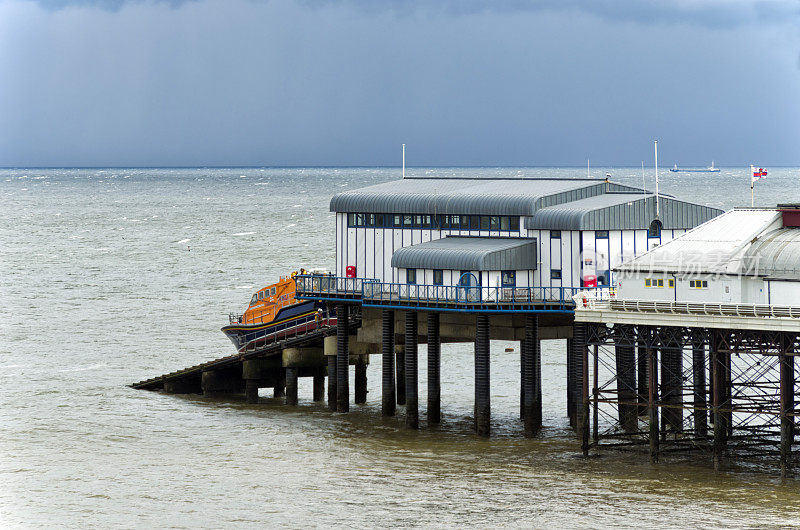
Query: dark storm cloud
[(722, 13), (285, 82)]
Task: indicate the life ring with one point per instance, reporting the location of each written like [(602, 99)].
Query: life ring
[(585, 301)]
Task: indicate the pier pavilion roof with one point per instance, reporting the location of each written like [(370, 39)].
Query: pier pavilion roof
[(740, 241)]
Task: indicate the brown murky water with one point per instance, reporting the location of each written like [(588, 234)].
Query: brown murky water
[(112, 276)]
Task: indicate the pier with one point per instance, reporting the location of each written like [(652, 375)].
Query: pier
[(662, 355)]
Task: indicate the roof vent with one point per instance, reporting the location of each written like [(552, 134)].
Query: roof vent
[(791, 215)]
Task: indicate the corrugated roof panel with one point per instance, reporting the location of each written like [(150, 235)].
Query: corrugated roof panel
[(469, 253), (775, 254), (619, 211), (463, 196)]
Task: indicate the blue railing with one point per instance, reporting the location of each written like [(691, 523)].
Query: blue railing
[(374, 292)]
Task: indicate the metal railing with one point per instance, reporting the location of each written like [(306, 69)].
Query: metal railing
[(332, 285), (258, 339), (383, 293), (589, 300)]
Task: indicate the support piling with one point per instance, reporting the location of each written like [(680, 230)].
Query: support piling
[(411, 358), (434, 369)]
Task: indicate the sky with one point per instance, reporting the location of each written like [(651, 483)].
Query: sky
[(346, 82)]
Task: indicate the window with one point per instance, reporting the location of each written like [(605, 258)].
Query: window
[(254, 299), (514, 223), (555, 274), (272, 292), (379, 220), (485, 223), (417, 221), (494, 223), (407, 221), (398, 221), (660, 282), (654, 282), (601, 234), (465, 278), (351, 219), (698, 284), (655, 229), (647, 282), (555, 234), (671, 283), (261, 295), (504, 223), (438, 277), (411, 275), (426, 221), (509, 278), (474, 222)]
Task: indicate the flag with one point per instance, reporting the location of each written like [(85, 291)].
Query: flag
[(758, 173)]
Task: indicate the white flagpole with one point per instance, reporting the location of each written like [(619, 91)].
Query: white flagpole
[(404, 160), (655, 143), (752, 187)]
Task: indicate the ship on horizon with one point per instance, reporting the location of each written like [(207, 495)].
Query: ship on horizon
[(709, 169)]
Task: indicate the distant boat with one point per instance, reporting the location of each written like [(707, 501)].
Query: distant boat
[(709, 169)]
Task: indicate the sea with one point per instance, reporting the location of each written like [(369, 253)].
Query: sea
[(113, 275)]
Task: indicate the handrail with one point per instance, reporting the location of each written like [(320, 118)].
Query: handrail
[(586, 300), (373, 290), (257, 339)]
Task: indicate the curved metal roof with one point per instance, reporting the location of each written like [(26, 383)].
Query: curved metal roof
[(775, 254), (469, 253), (620, 211), (509, 196)]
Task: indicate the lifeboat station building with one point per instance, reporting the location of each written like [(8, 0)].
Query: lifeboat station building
[(549, 234), (481, 259)]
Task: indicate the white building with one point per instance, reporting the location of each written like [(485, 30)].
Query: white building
[(745, 256), (502, 232)]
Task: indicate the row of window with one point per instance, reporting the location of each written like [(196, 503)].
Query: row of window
[(502, 223), (659, 282), (507, 278), (261, 294)]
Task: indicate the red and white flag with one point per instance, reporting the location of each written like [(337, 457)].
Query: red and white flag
[(758, 173)]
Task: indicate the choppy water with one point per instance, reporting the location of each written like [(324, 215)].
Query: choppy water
[(112, 276)]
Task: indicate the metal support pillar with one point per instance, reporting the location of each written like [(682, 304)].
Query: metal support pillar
[(411, 359), (531, 381), (291, 386), (718, 399), (279, 390), (319, 385), (342, 359), (434, 369), (570, 383), (522, 350), (400, 365), (699, 387), (361, 382), (332, 383), (251, 390), (482, 404), (626, 387), (641, 374), (652, 401), (787, 405), (581, 370), (388, 404), (576, 361), (672, 387)]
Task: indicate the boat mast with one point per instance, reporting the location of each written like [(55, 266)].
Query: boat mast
[(655, 143), (404, 160)]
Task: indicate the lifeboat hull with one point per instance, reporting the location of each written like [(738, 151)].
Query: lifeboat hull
[(290, 321)]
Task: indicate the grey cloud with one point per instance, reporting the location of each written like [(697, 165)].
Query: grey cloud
[(711, 13)]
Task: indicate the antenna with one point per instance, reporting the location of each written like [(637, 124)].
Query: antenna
[(404, 160), (588, 176), (655, 143)]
